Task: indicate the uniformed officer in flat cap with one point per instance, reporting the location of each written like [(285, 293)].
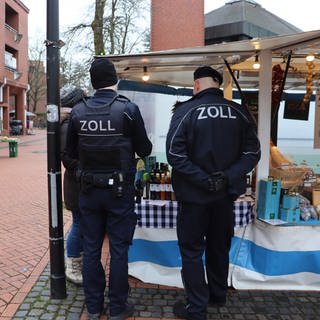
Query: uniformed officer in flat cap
[(211, 146), (105, 132)]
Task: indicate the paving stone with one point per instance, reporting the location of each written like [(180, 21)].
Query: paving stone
[(159, 302), (52, 307), (35, 312), (24, 306), (46, 316), (21, 313), (145, 314), (73, 316)]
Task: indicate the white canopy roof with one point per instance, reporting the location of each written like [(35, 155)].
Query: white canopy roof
[(176, 66)]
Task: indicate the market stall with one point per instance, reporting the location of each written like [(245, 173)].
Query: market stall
[(154, 255), (264, 254)]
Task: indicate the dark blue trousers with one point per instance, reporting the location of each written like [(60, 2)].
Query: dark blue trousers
[(205, 229), (102, 211)]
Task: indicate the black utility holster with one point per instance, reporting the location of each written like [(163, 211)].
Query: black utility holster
[(112, 181)]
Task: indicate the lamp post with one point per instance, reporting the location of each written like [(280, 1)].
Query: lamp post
[(56, 241)]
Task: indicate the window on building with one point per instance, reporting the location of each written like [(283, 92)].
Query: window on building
[(10, 60), (12, 18)]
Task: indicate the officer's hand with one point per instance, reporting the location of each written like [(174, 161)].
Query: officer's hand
[(217, 181)]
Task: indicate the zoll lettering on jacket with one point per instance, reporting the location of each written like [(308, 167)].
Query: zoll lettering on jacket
[(94, 125), (211, 111)]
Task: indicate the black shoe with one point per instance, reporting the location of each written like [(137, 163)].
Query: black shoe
[(180, 310), (126, 313)]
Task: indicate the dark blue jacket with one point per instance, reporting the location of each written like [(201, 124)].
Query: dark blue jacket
[(71, 187), (133, 125), (208, 133)]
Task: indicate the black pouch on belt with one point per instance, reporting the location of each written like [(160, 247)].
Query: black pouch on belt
[(102, 180)]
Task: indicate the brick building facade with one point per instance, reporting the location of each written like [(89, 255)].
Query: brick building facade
[(13, 62), (176, 24)]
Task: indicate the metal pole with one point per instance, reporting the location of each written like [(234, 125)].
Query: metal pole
[(242, 96), (56, 241)]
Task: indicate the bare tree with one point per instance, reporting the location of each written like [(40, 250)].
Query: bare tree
[(71, 72), (97, 27), (75, 73), (115, 28), (123, 34), (36, 77)]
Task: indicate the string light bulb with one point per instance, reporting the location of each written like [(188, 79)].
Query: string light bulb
[(310, 57), (256, 64), (145, 76)]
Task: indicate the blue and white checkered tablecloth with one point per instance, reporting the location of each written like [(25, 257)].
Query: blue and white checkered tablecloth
[(163, 214), (157, 213), (244, 211)]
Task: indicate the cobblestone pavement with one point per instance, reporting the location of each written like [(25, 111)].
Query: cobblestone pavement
[(24, 259), (156, 303)]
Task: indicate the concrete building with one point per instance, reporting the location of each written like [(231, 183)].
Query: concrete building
[(243, 20), (13, 62)]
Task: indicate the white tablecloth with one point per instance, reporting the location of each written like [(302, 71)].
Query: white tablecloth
[(154, 255), (272, 257), (262, 256)]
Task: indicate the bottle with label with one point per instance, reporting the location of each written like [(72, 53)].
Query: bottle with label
[(168, 185), (152, 194), (253, 180), (146, 182), (162, 186), (248, 188), (157, 186), (156, 168)]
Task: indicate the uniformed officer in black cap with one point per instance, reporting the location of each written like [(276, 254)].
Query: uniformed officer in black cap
[(104, 133), (211, 146)]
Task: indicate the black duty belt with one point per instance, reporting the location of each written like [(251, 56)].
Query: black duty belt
[(114, 181), (99, 180)]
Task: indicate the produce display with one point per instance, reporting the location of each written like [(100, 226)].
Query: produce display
[(153, 180), (309, 82)]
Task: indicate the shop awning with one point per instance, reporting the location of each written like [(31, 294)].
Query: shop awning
[(175, 67)]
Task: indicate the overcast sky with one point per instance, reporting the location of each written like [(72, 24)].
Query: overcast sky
[(302, 14)]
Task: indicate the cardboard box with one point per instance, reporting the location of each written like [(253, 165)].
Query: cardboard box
[(290, 201), (269, 199), (315, 196), (290, 215)]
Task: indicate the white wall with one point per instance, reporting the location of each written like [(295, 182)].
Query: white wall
[(156, 112)]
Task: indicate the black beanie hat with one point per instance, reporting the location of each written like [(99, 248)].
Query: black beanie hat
[(207, 71), (103, 73)]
